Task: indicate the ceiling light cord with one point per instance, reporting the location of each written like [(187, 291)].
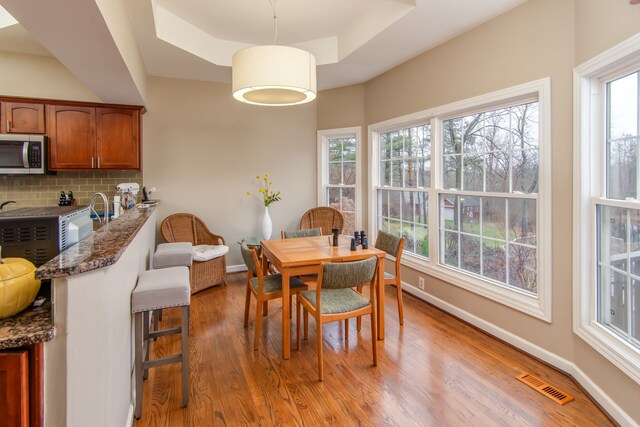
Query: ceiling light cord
[(275, 20)]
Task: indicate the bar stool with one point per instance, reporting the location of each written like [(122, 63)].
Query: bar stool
[(158, 289), (171, 255)]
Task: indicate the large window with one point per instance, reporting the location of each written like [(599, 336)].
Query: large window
[(607, 206), (493, 235), (467, 185), (405, 165), (338, 177)]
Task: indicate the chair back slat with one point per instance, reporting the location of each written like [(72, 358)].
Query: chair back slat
[(340, 275), (250, 258), (388, 243), (308, 232)]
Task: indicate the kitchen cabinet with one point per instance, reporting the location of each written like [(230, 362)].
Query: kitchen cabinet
[(83, 137), (14, 388), (22, 117), (72, 137)]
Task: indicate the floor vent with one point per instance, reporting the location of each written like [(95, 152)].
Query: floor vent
[(546, 389)]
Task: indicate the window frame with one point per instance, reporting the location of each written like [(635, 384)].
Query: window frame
[(589, 190), (539, 305), (323, 137)]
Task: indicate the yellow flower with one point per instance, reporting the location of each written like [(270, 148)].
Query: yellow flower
[(261, 190), (270, 182), (266, 174), (248, 193)]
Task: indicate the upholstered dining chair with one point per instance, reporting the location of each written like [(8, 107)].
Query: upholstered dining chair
[(185, 227), (264, 288), (322, 217), (334, 299), (393, 245), (307, 232)]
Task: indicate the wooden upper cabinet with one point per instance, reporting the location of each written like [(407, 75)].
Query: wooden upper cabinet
[(22, 117), (118, 138), (72, 137)]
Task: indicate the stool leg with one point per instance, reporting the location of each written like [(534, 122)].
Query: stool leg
[(185, 355), (145, 340), (138, 363)]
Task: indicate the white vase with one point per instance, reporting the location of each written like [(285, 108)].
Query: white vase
[(267, 227)]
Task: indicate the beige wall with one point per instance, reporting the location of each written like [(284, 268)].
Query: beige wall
[(203, 150), (35, 76), (542, 38)]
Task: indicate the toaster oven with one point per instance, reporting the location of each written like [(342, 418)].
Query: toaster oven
[(40, 234)]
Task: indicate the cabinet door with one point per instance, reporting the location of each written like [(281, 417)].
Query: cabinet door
[(72, 137), (14, 388), (118, 141), (22, 117)]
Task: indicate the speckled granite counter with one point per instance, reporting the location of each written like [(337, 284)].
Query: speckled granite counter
[(101, 249), (32, 326)]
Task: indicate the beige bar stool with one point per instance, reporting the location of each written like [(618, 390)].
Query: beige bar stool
[(171, 255), (158, 289)]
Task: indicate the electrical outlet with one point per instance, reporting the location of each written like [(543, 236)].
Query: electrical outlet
[(421, 283)]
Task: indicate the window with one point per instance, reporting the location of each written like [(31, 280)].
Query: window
[(467, 185), (402, 199), (492, 235), (607, 205), (338, 174)]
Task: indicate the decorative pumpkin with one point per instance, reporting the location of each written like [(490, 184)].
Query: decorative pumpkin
[(18, 285)]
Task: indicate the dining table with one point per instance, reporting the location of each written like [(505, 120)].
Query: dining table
[(303, 256)]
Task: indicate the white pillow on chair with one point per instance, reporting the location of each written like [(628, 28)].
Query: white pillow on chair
[(206, 252)]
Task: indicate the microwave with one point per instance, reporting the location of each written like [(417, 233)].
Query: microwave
[(23, 154)]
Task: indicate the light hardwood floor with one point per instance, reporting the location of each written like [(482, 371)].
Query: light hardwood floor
[(433, 371)]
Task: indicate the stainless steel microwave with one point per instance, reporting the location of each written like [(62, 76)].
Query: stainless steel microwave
[(23, 154)]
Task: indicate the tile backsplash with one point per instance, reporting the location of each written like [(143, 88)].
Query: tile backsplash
[(44, 190)]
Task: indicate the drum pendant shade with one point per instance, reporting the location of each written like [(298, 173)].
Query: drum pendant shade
[(274, 75)]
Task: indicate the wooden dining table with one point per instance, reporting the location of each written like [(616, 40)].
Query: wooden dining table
[(300, 256)]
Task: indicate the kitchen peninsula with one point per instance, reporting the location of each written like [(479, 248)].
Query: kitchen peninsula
[(88, 363)]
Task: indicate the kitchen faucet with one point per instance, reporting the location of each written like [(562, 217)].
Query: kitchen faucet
[(106, 207), (5, 204)]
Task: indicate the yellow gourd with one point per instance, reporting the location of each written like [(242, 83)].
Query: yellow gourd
[(18, 285)]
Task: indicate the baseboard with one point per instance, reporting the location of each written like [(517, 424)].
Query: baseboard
[(236, 268), (607, 404), (130, 418)]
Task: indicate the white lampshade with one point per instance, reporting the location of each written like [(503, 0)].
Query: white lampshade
[(274, 75)]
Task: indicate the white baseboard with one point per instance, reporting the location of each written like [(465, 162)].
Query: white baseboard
[(130, 416), (236, 268), (553, 359)]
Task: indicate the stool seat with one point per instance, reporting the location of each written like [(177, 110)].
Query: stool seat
[(164, 288), (173, 255)]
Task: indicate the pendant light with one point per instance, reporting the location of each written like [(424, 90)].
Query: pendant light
[(273, 75)]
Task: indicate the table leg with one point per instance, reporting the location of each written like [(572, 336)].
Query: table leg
[(286, 333), (380, 299)]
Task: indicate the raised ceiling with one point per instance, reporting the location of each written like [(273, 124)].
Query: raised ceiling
[(353, 40)]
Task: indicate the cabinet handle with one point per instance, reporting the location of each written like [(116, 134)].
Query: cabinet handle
[(8, 125), (92, 162), (98, 162)]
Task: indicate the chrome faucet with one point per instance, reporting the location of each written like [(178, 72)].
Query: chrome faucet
[(106, 207)]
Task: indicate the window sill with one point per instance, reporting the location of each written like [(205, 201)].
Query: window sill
[(612, 347)]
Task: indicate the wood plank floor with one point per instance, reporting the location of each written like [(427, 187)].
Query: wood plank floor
[(433, 371)]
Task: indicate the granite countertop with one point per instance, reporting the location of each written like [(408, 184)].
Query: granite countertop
[(103, 248), (31, 326)]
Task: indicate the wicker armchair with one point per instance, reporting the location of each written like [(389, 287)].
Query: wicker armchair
[(322, 217), (183, 227)]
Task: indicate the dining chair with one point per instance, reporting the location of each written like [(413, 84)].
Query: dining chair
[(393, 245), (263, 287), (307, 232), (322, 217), (334, 299)]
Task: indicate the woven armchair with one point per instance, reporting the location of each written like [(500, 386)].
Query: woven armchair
[(322, 217), (184, 227)]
